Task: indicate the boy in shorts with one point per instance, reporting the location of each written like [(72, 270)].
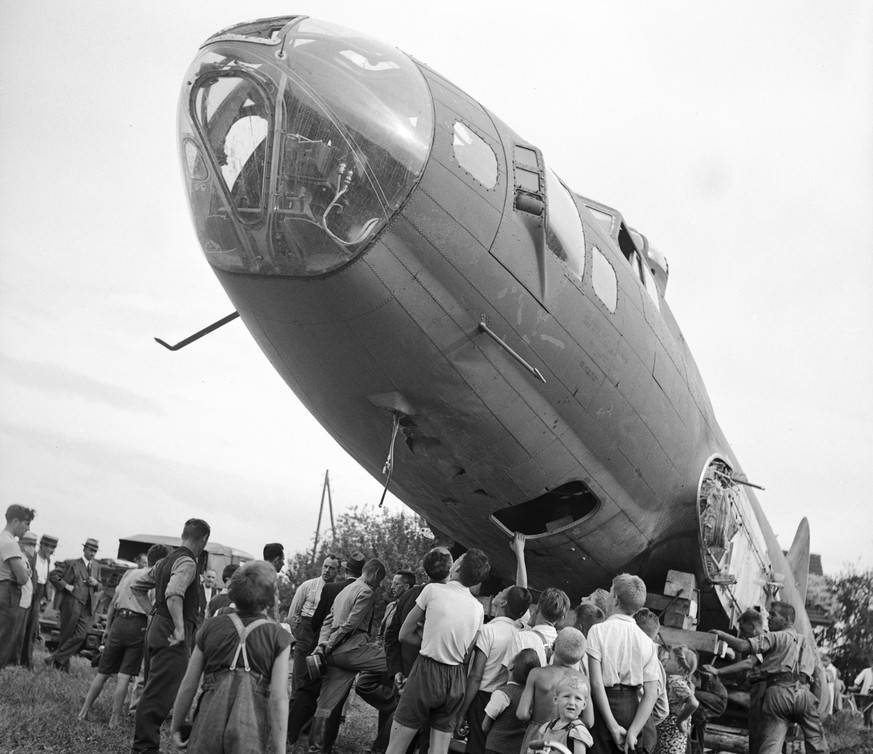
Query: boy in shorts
[(124, 638), (434, 691)]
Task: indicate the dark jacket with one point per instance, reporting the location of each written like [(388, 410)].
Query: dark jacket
[(401, 656), (74, 572)]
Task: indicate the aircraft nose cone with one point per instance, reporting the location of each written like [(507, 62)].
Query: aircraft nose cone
[(298, 150)]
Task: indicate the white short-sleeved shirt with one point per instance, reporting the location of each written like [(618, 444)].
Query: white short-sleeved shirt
[(527, 639), (864, 680), (498, 702), (452, 618), (27, 587), (495, 639), (627, 656), (8, 549)]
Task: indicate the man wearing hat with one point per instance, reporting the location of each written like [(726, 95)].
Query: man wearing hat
[(47, 546), (28, 606), (76, 582)]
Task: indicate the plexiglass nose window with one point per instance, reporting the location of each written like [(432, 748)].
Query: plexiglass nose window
[(313, 150), (232, 112), (356, 128)]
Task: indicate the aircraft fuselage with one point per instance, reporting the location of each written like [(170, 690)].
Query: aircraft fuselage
[(372, 224)]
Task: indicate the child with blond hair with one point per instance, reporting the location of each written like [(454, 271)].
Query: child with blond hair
[(568, 727), (622, 662)]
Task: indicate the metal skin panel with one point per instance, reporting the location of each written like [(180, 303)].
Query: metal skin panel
[(622, 407)]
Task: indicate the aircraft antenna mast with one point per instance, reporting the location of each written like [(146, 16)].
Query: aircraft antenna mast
[(325, 489)]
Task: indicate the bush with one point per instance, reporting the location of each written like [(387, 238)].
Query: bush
[(845, 731)]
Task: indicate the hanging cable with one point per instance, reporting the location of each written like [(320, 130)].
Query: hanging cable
[(388, 468)]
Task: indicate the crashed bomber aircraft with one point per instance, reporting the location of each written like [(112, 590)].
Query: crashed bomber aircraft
[(405, 259)]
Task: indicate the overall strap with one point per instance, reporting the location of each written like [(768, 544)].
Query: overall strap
[(243, 633)]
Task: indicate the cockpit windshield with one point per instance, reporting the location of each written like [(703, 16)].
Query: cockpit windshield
[(313, 147)]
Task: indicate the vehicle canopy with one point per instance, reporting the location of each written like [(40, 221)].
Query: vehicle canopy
[(217, 554)]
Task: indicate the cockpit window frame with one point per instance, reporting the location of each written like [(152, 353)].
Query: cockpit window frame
[(264, 89)]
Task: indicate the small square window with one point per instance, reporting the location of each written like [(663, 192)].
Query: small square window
[(527, 180), (526, 156)]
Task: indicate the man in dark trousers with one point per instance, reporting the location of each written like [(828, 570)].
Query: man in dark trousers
[(30, 617), (170, 636), (303, 705), (76, 582), (791, 668), (345, 648)]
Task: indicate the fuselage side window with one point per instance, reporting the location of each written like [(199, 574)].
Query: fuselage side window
[(603, 279), (606, 220), (475, 155), (642, 272), (651, 288), (564, 234)]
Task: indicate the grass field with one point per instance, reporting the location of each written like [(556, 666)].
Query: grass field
[(38, 714)]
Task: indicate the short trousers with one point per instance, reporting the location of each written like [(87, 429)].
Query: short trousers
[(125, 646), (434, 693)]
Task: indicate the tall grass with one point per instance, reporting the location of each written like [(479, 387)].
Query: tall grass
[(38, 711), (38, 715)]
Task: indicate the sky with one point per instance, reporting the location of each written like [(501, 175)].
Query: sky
[(736, 136)]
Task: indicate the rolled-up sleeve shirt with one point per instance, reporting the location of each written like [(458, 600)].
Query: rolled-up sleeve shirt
[(183, 573), (627, 656), (124, 594), (352, 612), (784, 651)]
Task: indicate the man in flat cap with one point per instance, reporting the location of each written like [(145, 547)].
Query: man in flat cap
[(47, 546), (28, 607), (76, 581)]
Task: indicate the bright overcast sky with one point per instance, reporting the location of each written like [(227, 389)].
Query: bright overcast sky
[(736, 136)]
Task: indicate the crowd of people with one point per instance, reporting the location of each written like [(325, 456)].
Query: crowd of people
[(234, 673)]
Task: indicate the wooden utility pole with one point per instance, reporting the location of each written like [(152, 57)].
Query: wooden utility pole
[(325, 489)]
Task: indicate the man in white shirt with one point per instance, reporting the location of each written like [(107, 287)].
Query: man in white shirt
[(24, 628), (13, 574), (300, 617), (47, 546), (434, 692), (863, 685)]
